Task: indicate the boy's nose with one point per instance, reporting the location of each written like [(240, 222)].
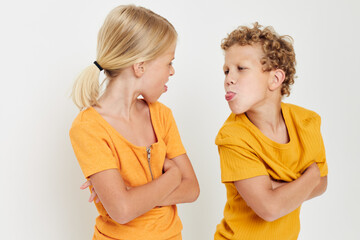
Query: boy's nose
[(229, 80)]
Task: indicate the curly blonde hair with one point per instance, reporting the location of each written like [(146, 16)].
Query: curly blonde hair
[(278, 50)]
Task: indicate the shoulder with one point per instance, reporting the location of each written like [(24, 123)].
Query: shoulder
[(86, 122), (160, 112), (301, 115), (160, 107), (233, 131)]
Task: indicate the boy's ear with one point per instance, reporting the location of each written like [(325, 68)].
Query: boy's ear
[(277, 79), (139, 69)]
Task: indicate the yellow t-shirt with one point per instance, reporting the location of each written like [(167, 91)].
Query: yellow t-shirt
[(98, 146), (245, 152)]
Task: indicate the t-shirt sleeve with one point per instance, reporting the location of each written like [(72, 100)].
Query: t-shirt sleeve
[(321, 161), (92, 148), (238, 163), (321, 158), (174, 146)]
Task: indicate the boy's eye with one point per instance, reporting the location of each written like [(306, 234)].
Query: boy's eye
[(226, 72), (171, 63), (241, 68)]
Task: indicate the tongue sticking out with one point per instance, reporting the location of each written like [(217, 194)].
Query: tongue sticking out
[(229, 96)]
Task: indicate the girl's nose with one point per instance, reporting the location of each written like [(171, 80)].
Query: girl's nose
[(172, 70)]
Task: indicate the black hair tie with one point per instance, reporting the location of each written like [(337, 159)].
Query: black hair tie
[(98, 65)]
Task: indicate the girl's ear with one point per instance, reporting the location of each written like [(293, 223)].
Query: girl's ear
[(139, 69), (277, 79)]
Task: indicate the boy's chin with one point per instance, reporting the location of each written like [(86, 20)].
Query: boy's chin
[(236, 109)]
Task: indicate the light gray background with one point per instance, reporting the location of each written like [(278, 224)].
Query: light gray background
[(45, 44)]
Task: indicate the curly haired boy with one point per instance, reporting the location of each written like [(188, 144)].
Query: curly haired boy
[(272, 154)]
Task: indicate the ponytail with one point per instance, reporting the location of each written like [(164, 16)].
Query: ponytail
[(86, 88), (129, 34)]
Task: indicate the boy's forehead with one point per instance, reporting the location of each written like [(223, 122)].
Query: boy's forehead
[(246, 52)]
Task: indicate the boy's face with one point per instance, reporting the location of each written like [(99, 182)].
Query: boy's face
[(246, 84)]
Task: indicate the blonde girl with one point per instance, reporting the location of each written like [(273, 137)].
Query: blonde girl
[(128, 147)]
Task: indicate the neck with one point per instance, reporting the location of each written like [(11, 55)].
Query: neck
[(120, 97), (267, 117)]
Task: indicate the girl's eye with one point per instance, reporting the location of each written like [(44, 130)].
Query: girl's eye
[(240, 68), (226, 72), (171, 63)]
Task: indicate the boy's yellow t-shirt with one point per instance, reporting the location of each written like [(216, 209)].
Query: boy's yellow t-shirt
[(98, 147), (245, 152)]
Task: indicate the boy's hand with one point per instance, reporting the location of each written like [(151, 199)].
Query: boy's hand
[(314, 170), (277, 183)]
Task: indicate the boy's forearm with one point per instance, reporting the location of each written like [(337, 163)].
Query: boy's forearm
[(288, 197), (319, 189)]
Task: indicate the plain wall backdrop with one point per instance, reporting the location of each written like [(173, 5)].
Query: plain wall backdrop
[(45, 44)]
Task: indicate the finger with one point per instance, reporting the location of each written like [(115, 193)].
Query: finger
[(92, 196), (85, 185)]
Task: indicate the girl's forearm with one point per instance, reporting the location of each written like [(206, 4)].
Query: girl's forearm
[(187, 191), (143, 198), (123, 204)]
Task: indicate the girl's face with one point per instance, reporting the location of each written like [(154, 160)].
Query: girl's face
[(156, 75), (246, 84)]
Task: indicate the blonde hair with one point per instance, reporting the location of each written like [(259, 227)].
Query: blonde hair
[(278, 50), (130, 34)]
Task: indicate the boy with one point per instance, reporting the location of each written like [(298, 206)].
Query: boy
[(271, 153)]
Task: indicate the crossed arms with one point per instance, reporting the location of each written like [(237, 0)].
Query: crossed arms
[(177, 185), (271, 200)]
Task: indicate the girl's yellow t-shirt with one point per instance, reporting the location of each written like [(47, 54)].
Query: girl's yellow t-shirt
[(245, 152), (98, 147)]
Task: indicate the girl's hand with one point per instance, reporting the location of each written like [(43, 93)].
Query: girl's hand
[(170, 166), (93, 192)]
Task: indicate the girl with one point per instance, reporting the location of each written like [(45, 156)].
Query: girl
[(129, 148)]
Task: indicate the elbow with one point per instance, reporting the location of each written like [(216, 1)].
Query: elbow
[(269, 212), (324, 184), (122, 220), (122, 214), (194, 193)]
